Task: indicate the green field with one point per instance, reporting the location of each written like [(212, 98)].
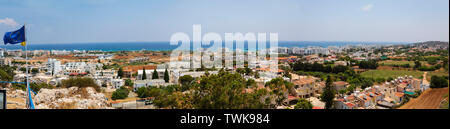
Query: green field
[(395, 73), (393, 62), (438, 73)]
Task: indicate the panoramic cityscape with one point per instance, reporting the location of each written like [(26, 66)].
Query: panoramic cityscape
[(279, 58)]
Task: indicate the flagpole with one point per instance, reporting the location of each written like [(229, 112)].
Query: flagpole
[(26, 65), (26, 72)]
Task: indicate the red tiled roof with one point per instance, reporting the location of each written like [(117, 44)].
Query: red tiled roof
[(291, 97), (340, 83), (349, 104), (316, 107), (399, 94)]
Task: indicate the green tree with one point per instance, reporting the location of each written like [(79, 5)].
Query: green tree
[(144, 75), (23, 69), (240, 71), (207, 73), (256, 75), (34, 70), (120, 93), (4, 76), (120, 72), (281, 89), (303, 104), (128, 82), (155, 74), (438, 82), (351, 88), (371, 64), (251, 83), (185, 82), (389, 79), (217, 91), (37, 87), (226, 91), (342, 91), (166, 76), (105, 67), (328, 93), (417, 64), (143, 92)]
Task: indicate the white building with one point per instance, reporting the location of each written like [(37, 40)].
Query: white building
[(111, 73), (53, 67), (145, 83), (117, 83), (105, 57), (104, 77), (74, 67), (149, 73), (60, 52), (5, 61)]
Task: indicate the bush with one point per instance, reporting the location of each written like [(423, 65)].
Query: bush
[(438, 82), (143, 92), (34, 70), (185, 82), (371, 64), (303, 104), (36, 87), (80, 82), (432, 61), (380, 80), (121, 93), (389, 79), (4, 76), (128, 82), (425, 68)]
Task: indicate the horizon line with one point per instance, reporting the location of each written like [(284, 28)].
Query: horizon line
[(106, 42)]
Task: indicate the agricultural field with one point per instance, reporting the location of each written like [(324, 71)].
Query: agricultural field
[(395, 73), (399, 63), (391, 73), (392, 62), (429, 99)]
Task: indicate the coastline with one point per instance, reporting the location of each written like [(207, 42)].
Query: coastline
[(165, 46)]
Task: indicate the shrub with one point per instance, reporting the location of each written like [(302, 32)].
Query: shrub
[(121, 93), (143, 92), (36, 87), (128, 82), (425, 68), (303, 104), (438, 82), (380, 80), (80, 82)]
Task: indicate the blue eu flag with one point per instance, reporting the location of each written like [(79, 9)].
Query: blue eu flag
[(15, 37)]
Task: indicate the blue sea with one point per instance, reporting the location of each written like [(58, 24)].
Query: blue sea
[(165, 46)]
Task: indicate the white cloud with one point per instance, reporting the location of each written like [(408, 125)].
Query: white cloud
[(9, 22), (366, 8)]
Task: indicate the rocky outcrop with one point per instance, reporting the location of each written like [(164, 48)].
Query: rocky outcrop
[(15, 98), (15, 93), (70, 98)]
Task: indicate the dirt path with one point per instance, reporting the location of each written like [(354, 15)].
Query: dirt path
[(430, 99)]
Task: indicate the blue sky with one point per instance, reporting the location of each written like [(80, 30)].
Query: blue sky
[(77, 21)]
